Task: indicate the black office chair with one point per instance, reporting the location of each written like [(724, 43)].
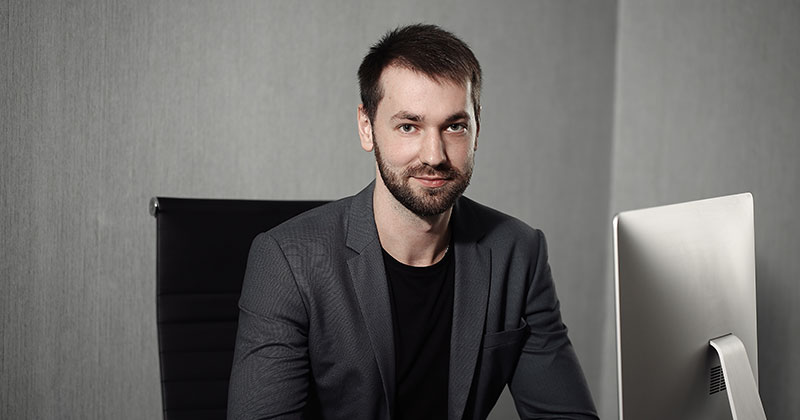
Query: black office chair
[(202, 248)]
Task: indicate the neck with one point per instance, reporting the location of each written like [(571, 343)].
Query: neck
[(409, 238)]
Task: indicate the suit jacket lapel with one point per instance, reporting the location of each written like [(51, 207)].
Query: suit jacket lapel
[(472, 276), (369, 282)]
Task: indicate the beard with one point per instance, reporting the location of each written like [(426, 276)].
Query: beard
[(429, 201)]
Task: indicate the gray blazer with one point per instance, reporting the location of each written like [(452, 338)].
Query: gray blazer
[(315, 329)]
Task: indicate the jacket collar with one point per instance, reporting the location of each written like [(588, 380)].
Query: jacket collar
[(372, 291), (361, 229), (472, 275)]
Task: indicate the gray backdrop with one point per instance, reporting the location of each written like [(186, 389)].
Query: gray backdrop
[(107, 103), (707, 104)]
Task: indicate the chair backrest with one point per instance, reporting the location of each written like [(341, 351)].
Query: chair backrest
[(202, 248)]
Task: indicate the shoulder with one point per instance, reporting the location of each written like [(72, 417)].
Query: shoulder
[(319, 218), (320, 224), (495, 228)]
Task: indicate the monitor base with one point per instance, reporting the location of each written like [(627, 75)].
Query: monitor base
[(739, 379)]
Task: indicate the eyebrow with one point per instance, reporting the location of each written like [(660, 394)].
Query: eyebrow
[(457, 116), (405, 115)]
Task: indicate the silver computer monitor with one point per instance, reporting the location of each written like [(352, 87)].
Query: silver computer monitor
[(686, 311)]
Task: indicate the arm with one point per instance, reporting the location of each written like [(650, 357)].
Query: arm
[(270, 375), (548, 382)]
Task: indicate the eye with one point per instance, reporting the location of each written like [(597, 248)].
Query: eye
[(457, 128), (406, 128)]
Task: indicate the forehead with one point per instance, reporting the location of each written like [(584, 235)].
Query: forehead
[(409, 90)]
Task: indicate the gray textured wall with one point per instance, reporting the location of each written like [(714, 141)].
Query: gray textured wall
[(106, 103), (707, 104)]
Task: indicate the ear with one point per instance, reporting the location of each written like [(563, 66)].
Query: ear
[(477, 133), (365, 130)]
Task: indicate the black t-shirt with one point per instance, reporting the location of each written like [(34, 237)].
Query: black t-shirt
[(422, 312)]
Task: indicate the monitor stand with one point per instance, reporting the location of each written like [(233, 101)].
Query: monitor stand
[(739, 379)]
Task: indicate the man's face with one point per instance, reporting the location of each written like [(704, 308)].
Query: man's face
[(424, 135)]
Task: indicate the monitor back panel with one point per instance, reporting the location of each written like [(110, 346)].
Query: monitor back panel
[(684, 274)]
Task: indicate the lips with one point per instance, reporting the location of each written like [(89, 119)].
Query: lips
[(431, 182), (432, 177)]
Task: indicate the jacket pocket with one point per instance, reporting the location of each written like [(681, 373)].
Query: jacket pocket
[(507, 337), (498, 360)]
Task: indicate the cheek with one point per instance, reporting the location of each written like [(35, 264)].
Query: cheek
[(397, 152), (462, 152), (404, 157)]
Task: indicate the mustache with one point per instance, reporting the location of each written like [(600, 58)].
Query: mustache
[(443, 170)]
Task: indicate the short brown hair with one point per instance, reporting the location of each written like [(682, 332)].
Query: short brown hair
[(427, 49)]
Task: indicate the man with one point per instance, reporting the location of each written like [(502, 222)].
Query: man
[(406, 301)]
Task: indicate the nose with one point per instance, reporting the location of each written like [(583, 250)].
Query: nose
[(432, 152)]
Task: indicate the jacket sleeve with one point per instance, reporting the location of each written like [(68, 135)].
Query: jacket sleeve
[(548, 382), (270, 374)]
